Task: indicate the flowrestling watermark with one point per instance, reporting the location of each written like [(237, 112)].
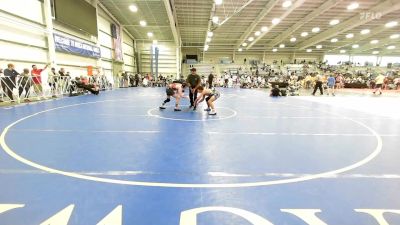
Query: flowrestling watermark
[(370, 15)]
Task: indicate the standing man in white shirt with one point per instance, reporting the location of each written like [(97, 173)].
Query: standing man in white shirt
[(379, 80)]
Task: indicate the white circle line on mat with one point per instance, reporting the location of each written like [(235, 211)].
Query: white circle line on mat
[(23, 160)]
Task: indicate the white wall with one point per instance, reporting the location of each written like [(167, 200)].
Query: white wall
[(23, 40), (166, 59)]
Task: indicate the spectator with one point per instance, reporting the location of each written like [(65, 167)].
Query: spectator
[(379, 80), (137, 79), (52, 80), (37, 79), (318, 85), (210, 80), (331, 85), (275, 92), (9, 81), (25, 85)]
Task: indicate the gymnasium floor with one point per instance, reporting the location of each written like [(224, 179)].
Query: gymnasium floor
[(118, 159)]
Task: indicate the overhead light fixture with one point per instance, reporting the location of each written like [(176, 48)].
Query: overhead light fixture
[(353, 6), (342, 51), (275, 21), (390, 47), (210, 34), (281, 46), (240, 49), (264, 29), (251, 39), (208, 39), (143, 23), (333, 40), (334, 22), (318, 46), (365, 31), (286, 4), (244, 44), (391, 24), (293, 39), (218, 2), (205, 48), (375, 52), (309, 50), (274, 49), (355, 46), (304, 34), (150, 34), (374, 42), (394, 36), (349, 35), (215, 19), (315, 29), (257, 33), (133, 8)]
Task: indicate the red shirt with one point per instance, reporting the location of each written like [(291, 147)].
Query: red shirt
[(36, 77)]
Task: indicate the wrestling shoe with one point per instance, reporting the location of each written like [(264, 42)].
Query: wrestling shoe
[(207, 110), (177, 110), (212, 113), (163, 107)]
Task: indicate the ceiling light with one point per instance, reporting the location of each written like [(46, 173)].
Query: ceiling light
[(257, 33), (293, 39), (150, 34), (143, 23), (206, 47), (251, 39), (353, 6), (334, 22), (391, 47), (349, 35), (355, 46), (274, 49), (218, 2), (275, 21), (342, 51), (374, 42), (215, 19), (281, 46), (304, 34), (391, 24), (318, 46), (375, 52), (286, 4), (264, 29), (309, 50), (315, 30), (365, 31), (133, 8), (240, 49), (210, 34), (394, 36), (244, 44), (333, 40), (208, 39)]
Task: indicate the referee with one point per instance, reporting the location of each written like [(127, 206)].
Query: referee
[(194, 82)]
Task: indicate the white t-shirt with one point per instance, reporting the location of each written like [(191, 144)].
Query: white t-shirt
[(380, 79)]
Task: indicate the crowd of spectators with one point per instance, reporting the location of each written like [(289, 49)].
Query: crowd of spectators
[(30, 85)]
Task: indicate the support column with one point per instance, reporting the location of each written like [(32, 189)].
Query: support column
[(51, 56)]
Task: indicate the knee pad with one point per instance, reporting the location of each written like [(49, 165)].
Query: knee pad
[(167, 100)]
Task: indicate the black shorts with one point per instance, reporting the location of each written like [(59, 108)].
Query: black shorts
[(378, 86)]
